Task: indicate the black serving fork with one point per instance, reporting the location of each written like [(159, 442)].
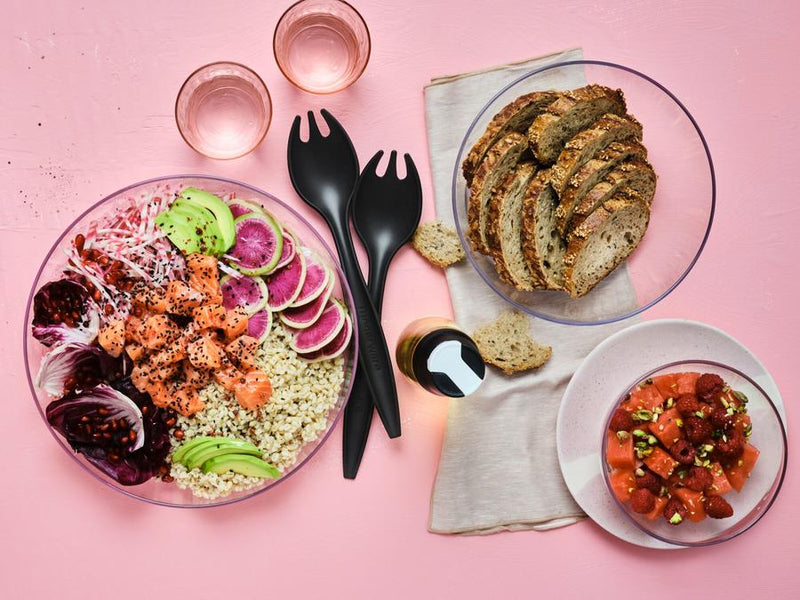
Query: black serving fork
[(386, 212), (324, 172)]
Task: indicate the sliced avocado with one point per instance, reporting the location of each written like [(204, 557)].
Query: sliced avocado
[(205, 453), (179, 232), (190, 445), (220, 210), (190, 458), (202, 223), (242, 464)]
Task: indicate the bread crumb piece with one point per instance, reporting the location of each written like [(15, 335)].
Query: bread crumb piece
[(438, 243), (507, 344)]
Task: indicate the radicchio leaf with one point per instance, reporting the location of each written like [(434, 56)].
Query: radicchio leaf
[(63, 312), (77, 366)]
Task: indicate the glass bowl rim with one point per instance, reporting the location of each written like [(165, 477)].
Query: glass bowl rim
[(232, 63), (291, 79), (465, 243), (127, 490), (779, 478)]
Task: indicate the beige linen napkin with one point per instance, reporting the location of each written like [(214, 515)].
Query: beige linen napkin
[(499, 469)]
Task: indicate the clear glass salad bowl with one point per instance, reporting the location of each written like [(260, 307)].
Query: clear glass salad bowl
[(681, 213), (761, 488), (156, 491)]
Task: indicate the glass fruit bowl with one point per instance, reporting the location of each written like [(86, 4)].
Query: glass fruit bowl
[(681, 211), (155, 490), (758, 491)]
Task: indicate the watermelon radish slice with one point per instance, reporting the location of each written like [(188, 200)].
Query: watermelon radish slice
[(250, 293), (285, 284), (244, 207), (330, 323), (300, 317), (259, 324), (317, 278), (289, 249), (259, 243), (335, 347)]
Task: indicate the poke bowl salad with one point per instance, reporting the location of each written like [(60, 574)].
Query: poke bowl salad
[(189, 341)]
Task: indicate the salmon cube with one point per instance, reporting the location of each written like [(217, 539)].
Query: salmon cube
[(134, 351), (203, 276), (229, 378), (112, 338), (152, 299), (173, 353), (255, 391), (158, 331), (195, 377), (186, 400), (242, 352), (235, 323), (209, 316), (133, 330), (204, 353), (182, 299)]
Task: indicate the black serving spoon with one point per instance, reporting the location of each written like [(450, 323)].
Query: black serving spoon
[(324, 172), (385, 212)]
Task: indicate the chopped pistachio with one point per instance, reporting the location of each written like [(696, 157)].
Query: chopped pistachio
[(730, 412), (724, 402), (724, 438), (740, 397), (700, 414), (623, 435), (679, 422), (708, 447), (676, 518), (681, 474), (640, 472), (658, 410), (638, 433), (670, 402), (748, 431), (698, 462), (642, 415), (651, 439), (706, 463), (740, 463), (649, 381)]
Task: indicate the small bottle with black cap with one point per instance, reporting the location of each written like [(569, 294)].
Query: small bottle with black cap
[(437, 355)]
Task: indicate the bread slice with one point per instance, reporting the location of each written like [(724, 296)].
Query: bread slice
[(590, 175), (438, 243), (501, 158), (507, 344), (603, 241), (585, 144), (516, 116), (572, 112), (504, 228), (635, 174), (542, 247)]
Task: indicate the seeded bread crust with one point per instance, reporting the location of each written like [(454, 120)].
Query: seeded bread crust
[(604, 240), (570, 113), (503, 228), (587, 143), (589, 175), (501, 158), (542, 247), (507, 344), (516, 116), (438, 244), (636, 174)]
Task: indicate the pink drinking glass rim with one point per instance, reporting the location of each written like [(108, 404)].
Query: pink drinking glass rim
[(465, 242), (724, 537), (241, 66), (291, 79), (128, 490)]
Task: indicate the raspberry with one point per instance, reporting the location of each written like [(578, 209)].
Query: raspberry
[(718, 508), (720, 418), (621, 421), (697, 430), (643, 501), (649, 481), (699, 479), (672, 508), (708, 386), (687, 405), (732, 445), (683, 452)]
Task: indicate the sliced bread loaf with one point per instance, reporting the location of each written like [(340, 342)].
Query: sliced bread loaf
[(504, 228), (587, 143), (567, 115), (516, 116), (542, 247), (507, 344), (501, 158), (636, 174), (603, 241), (589, 175), (438, 243)]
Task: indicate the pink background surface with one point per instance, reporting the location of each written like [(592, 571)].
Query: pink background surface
[(86, 107)]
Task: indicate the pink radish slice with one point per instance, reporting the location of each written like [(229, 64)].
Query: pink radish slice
[(248, 292), (300, 317), (259, 324), (289, 249), (285, 284), (330, 322), (244, 207), (335, 347), (259, 243), (317, 278)]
